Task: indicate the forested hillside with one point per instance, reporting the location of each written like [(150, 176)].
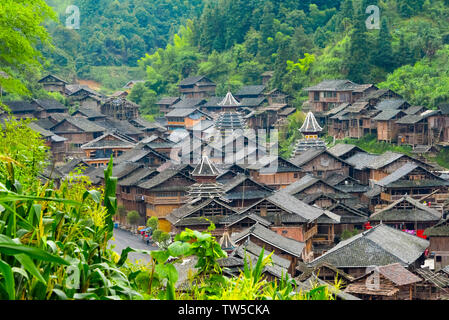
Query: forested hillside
[(234, 41), (305, 43), (113, 34)]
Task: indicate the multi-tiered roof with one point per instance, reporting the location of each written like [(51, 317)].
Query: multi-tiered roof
[(229, 119), (310, 130), (206, 186)]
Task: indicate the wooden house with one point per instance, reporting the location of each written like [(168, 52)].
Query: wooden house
[(78, 132), (123, 127), (197, 87), (389, 282), (57, 144), (88, 113), (290, 218), (90, 101), (386, 124), (275, 172), (416, 182), (271, 241), (24, 109), (345, 151), (439, 243), (76, 92), (350, 218), (233, 265), (166, 103), (120, 109), (197, 215), (438, 126), (375, 167), (180, 118), (321, 163), (129, 176), (434, 286), (325, 272), (327, 95), (347, 185), (278, 97), (252, 91), (310, 185), (407, 214), (99, 151), (243, 191), (414, 129), (143, 154), (52, 83), (378, 246), (164, 193), (130, 84), (149, 128), (49, 106)]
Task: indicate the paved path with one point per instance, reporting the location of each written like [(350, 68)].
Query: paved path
[(124, 239)]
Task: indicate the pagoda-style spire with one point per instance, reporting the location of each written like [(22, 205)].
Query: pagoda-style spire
[(226, 243), (310, 130), (310, 125), (205, 168), (206, 186), (229, 101)]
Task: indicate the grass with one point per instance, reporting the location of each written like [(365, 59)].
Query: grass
[(370, 144)]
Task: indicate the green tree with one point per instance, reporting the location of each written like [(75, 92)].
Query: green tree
[(153, 223), (383, 54), (21, 30), (133, 217)]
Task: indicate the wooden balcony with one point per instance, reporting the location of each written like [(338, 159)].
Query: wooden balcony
[(310, 233), (165, 200)]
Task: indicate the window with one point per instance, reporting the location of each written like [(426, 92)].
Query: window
[(295, 175), (438, 258)]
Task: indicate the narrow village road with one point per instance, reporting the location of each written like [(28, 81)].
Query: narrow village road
[(124, 239)]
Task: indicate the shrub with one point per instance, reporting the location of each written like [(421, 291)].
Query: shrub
[(133, 217)]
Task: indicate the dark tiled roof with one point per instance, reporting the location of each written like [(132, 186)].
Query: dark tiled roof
[(342, 148), (193, 80), (52, 76), (333, 85), (441, 229), (168, 100), (21, 106), (83, 124), (122, 126), (390, 104), (50, 104), (160, 178), (294, 206), (181, 112), (45, 133), (394, 179), (379, 246), (89, 113), (252, 102), (396, 212), (188, 103), (253, 90), (290, 246), (387, 114)]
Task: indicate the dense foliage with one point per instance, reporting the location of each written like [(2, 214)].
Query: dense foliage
[(113, 33)]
